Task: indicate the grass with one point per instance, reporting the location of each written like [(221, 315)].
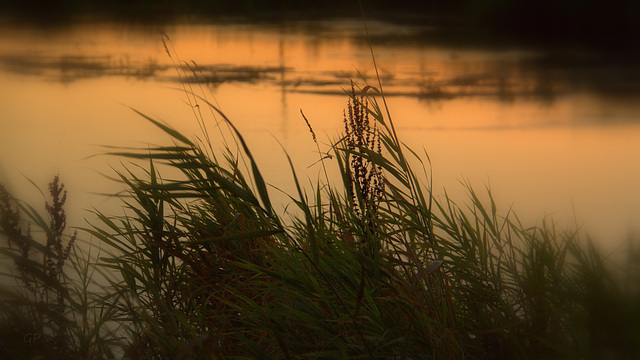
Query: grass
[(203, 266), (48, 312)]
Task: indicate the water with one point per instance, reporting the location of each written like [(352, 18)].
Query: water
[(551, 131)]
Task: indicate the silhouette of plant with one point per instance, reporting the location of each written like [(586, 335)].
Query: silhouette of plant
[(47, 294), (366, 182)]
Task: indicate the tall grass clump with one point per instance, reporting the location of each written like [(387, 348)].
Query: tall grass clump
[(373, 267), (49, 305)]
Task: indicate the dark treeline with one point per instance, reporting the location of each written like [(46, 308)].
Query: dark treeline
[(599, 22)]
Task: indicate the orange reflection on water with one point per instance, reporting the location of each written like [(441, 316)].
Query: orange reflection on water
[(545, 143)]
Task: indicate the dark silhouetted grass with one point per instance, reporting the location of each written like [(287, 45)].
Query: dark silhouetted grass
[(53, 310)]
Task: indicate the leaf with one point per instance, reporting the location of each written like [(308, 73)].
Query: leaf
[(169, 130), (236, 236), (369, 87), (433, 266)]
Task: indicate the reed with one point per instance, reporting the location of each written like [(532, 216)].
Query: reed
[(374, 267), (52, 309)]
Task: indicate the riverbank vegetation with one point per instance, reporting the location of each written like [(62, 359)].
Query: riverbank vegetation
[(611, 24), (201, 265)]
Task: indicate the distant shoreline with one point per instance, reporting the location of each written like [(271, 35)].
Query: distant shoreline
[(610, 25)]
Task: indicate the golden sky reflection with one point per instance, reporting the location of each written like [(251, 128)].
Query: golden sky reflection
[(542, 144)]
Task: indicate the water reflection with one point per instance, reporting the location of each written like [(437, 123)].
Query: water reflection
[(423, 71), (501, 80), (549, 127), (70, 68)]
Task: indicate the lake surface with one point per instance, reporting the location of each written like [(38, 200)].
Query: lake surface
[(551, 131)]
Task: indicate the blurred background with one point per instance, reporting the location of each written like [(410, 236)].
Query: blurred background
[(538, 100), (611, 23)]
